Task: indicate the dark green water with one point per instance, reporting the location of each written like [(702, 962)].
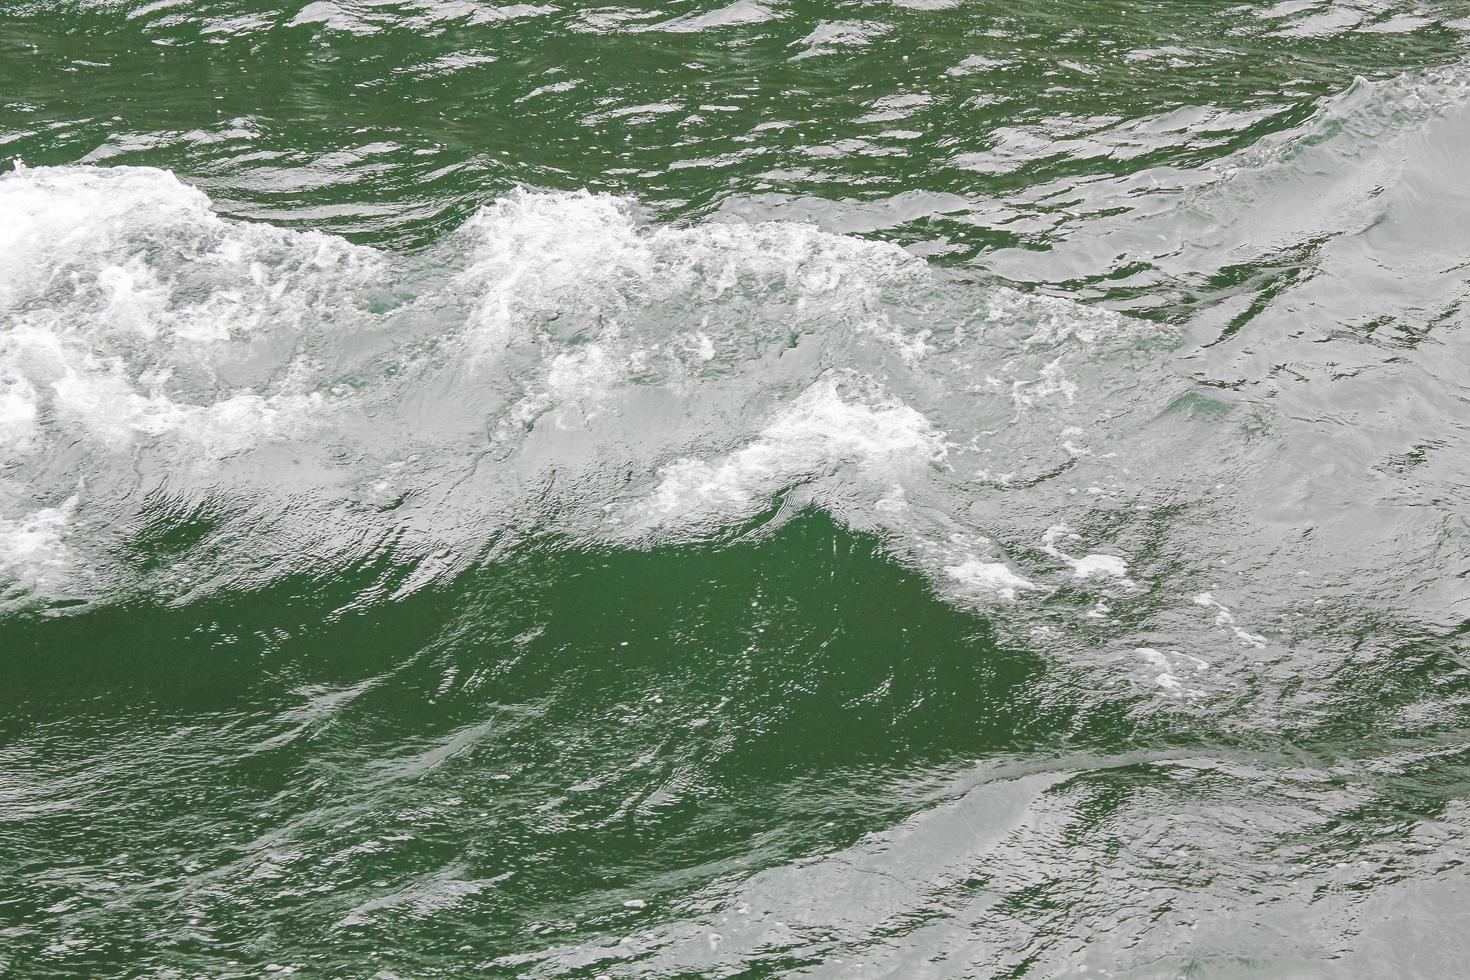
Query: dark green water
[(918, 489)]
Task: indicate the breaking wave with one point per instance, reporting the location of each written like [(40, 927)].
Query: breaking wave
[(555, 366)]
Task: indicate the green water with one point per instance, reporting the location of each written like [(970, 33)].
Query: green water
[(919, 489)]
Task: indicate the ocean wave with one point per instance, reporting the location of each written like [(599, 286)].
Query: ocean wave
[(556, 365), (561, 368)]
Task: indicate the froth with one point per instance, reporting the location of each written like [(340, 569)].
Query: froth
[(536, 258), (819, 433), (124, 295), (556, 364)]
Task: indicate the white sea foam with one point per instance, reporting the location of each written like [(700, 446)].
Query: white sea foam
[(1088, 566), (33, 548), (122, 294), (545, 252), (557, 361), (819, 432), (988, 577), (18, 399), (1224, 617)]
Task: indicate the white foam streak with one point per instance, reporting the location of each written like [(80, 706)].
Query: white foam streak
[(819, 432)]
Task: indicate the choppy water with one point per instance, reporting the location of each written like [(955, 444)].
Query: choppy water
[(920, 489)]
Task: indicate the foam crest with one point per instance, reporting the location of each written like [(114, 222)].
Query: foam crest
[(543, 257), (821, 431), (134, 311), (33, 552), (557, 364)]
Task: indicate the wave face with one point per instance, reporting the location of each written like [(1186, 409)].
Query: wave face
[(537, 491)]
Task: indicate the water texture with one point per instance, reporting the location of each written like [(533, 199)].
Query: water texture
[(914, 489)]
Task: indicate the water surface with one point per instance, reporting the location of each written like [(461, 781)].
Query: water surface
[(919, 489)]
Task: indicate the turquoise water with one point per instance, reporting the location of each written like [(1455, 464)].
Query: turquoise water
[(919, 489)]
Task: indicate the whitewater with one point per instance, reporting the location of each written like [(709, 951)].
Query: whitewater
[(743, 490)]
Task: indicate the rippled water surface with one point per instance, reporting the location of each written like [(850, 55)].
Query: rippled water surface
[(933, 488)]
